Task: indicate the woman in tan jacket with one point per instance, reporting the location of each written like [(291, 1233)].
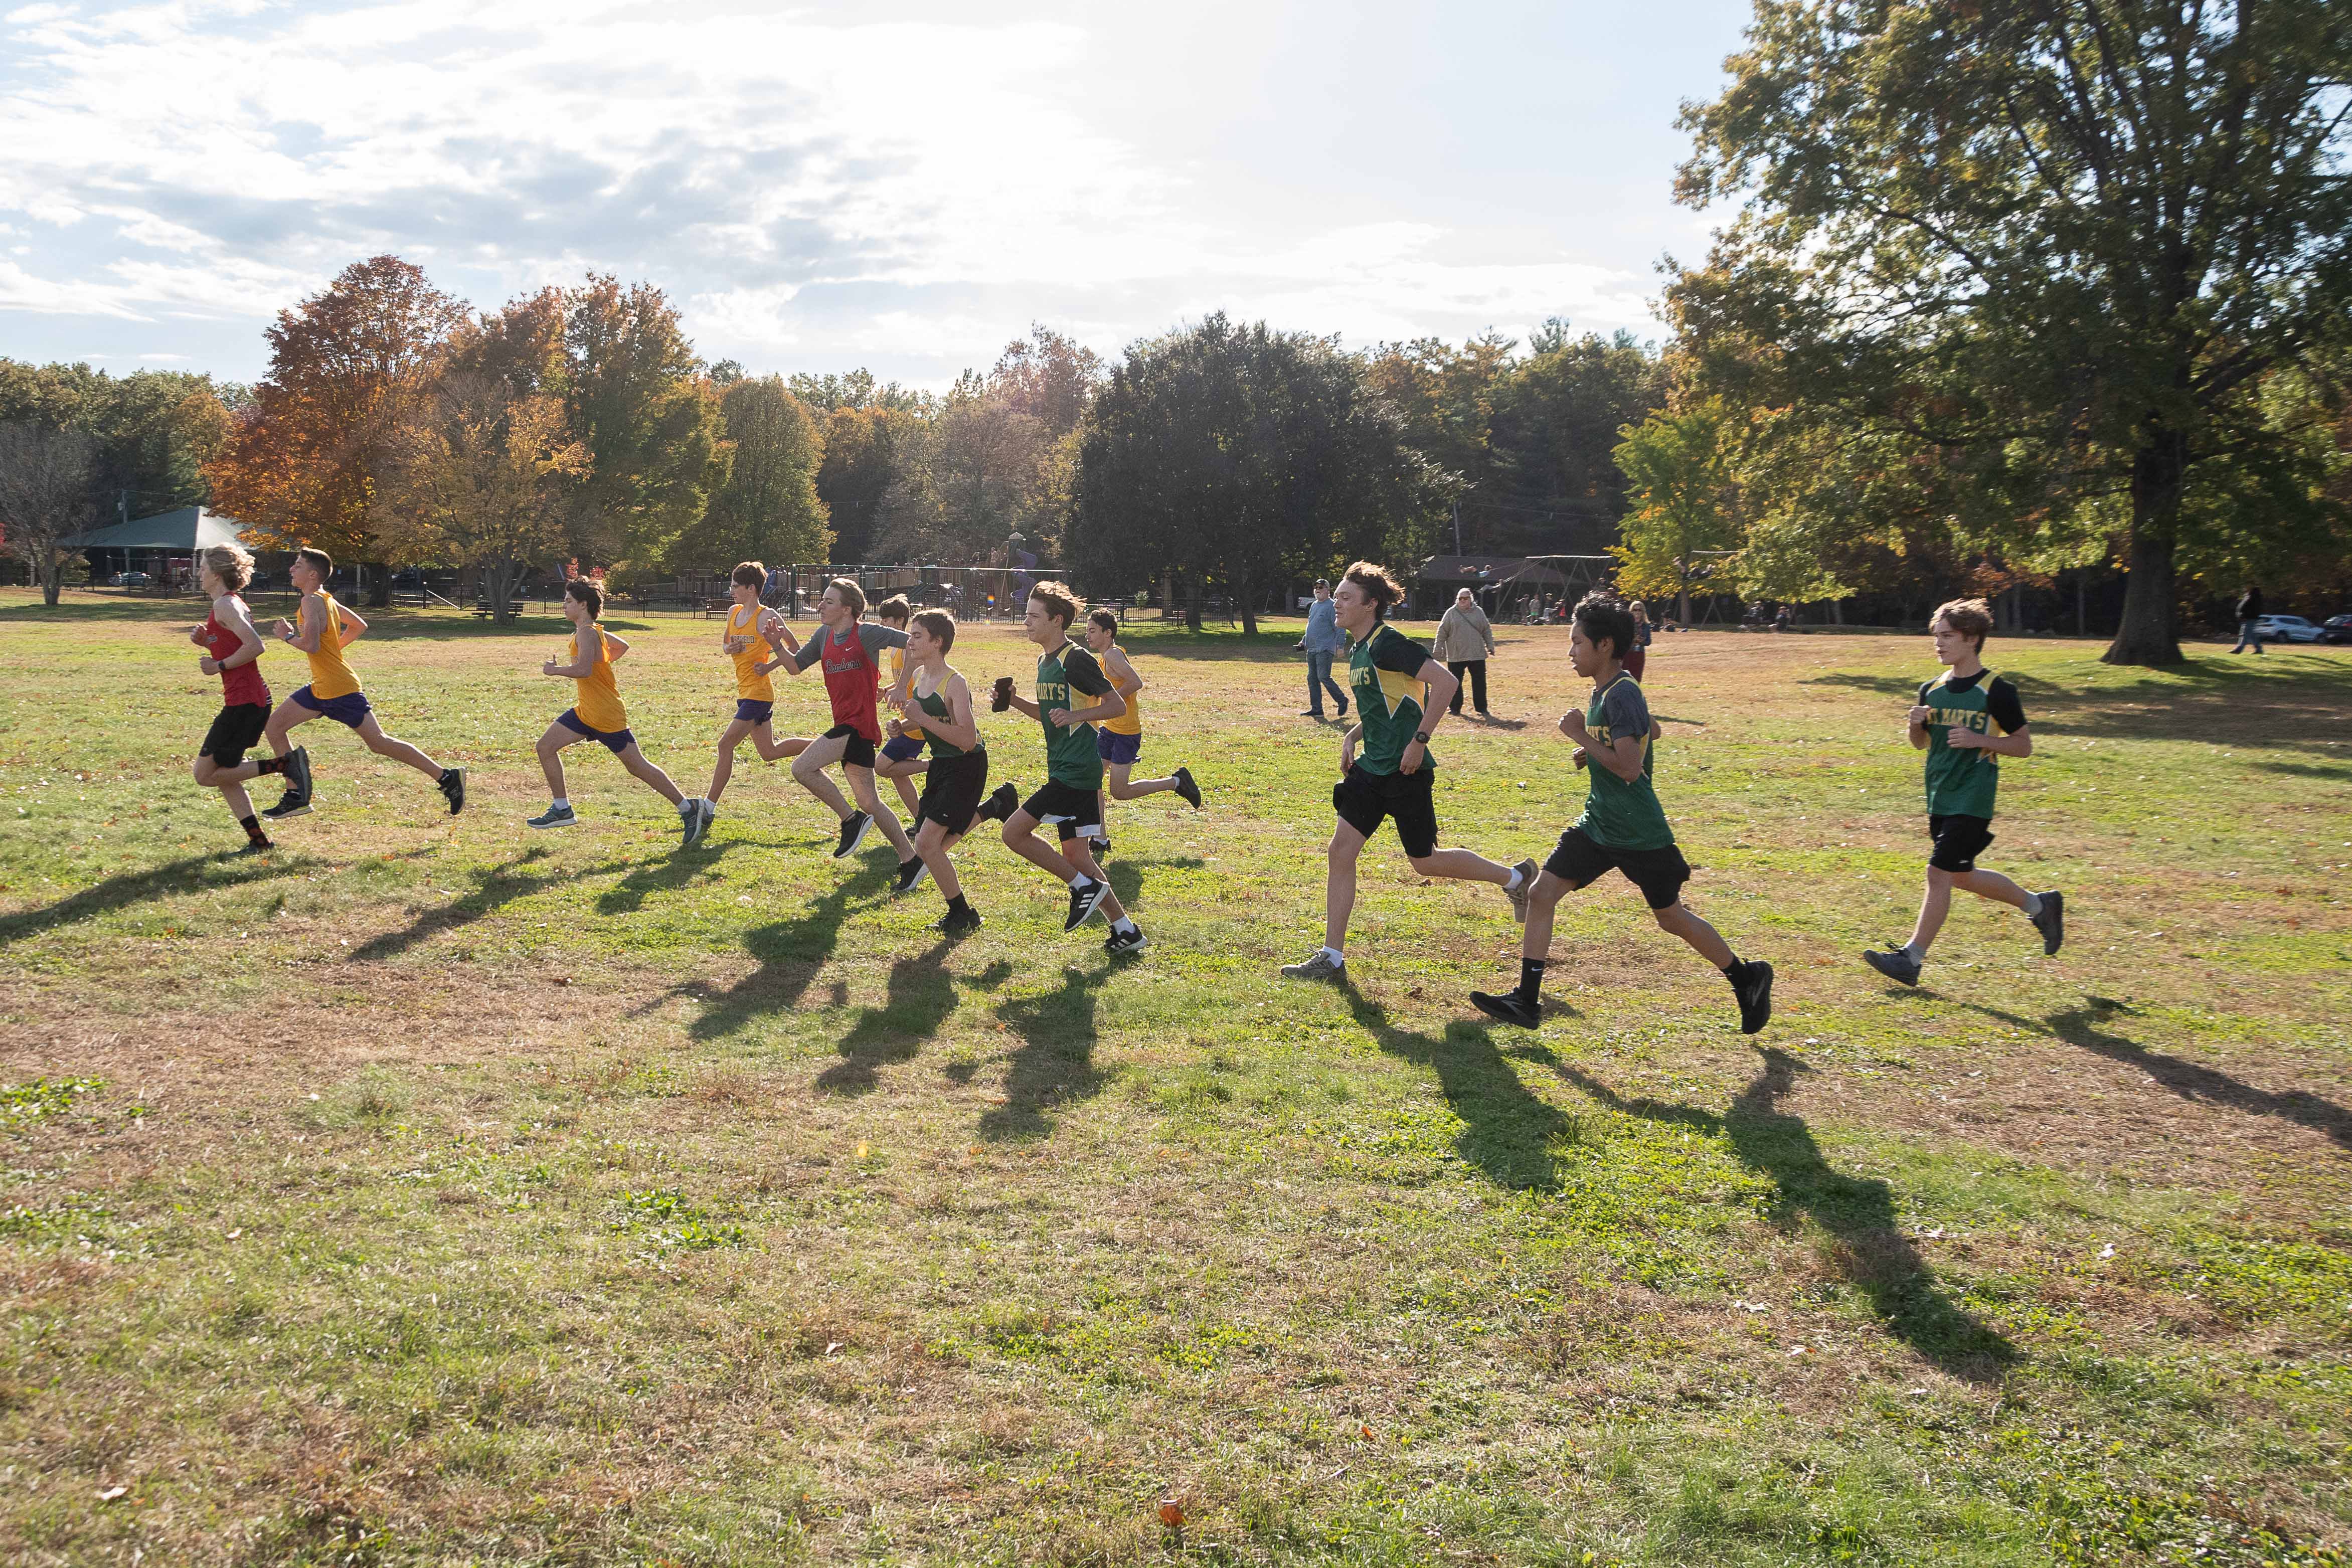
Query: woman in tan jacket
[(1464, 640)]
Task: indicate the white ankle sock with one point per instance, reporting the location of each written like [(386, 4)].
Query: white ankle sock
[(2033, 905), (561, 803), (1335, 955)]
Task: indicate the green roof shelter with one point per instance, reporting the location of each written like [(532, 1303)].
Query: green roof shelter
[(182, 532)]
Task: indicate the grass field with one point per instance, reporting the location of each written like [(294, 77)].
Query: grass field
[(432, 1191)]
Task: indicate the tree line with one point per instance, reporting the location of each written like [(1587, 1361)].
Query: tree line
[(397, 427), (2007, 293)]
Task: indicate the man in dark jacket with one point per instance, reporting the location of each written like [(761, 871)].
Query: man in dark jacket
[(2250, 611)]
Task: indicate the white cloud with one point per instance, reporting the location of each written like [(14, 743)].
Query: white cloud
[(824, 188)]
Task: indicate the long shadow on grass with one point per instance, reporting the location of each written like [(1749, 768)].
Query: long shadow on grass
[(493, 890), (1857, 1212), (2205, 699), (2078, 1026), (1509, 1130), (789, 953), (1054, 1062), (1126, 876), (667, 875), (921, 995), (195, 873)]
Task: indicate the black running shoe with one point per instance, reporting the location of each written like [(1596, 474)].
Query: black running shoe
[(853, 829), (1343, 707), (1186, 789), (1119, 944), (1085, 897), (1752, 983), (293, 805), (956, 923), (297, 772), (1896, 964), (999, 806), (453, 788), (911, 876), (1508, 1008), (2051, 922)]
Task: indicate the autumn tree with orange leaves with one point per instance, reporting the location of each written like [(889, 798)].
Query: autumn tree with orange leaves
[(302, 465)]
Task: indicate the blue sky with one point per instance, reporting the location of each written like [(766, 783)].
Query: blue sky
[(825, 187)]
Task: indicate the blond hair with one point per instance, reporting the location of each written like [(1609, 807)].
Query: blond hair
[(1058, 601), (233, 564), (1375, 584)]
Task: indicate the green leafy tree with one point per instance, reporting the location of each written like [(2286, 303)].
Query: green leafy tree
[(2064, 247), (47, 493), (862, 447), (656, 437), (974, 473), (1677, 480), (768, 510), (1237, 457), (155, 429)]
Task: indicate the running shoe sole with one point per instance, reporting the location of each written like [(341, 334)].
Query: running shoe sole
[(1094, 897), (570, 821), (854, 840)]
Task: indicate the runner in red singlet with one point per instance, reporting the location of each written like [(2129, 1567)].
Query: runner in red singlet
[(233, 651), (850, 652)]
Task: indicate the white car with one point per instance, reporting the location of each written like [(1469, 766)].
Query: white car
[(2286, 628)]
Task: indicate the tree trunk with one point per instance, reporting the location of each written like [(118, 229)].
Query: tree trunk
[(499, 579), (380, 587), (1193, 605), (52, 580), (1246, 591), (2148, 634), (1837, 612)]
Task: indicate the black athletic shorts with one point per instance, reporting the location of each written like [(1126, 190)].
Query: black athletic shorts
[(1579, 859), (1959, 840), (1075, 814), (1365, 799), (235, 730), (952, 788), (856, 749)]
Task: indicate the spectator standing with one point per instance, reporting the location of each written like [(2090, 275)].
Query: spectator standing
[(1466, 640), (1637, 658), (771, 592), (2250, 611), (1322, 641)]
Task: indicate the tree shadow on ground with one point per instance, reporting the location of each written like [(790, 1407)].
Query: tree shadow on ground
[(2191, 1080), (2205, 699), (1054, 1062), (1857, 1212), (1509, 1130), (921, 995), (789, 954), (195, 873), (672, 872), (493, 889), (1126, 876)]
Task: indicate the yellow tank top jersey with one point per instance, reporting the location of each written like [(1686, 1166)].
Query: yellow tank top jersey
[(599, 700), (893, 661), (330, 677), (1131, 721), (743, 621)]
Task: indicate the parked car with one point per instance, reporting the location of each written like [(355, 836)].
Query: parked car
[(130, 580), (2336, 629), (2286, 628)]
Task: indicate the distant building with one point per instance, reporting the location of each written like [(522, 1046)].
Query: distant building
[(163, 545)]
